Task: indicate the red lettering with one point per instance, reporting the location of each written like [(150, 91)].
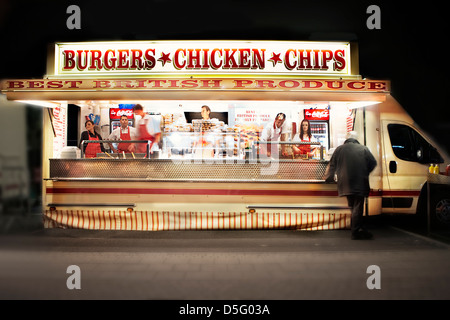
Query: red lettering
[(230, 59), (15, 84), (215, 83), (128, 83), (327, 55), (258, 59), (264, 83), (141, 83), (330, 84), (311, 84), (242, 83), (189, 84), (136, 56), (109, 63), (352, 84), (316, 59), (73, 83), (69, 59), (283, 84), (150, 59), (173, 83), (287, 62), (176, 59), (206, 83), (122, 60), (54, 84), (205, 59), (339, 58), (304, 58), (377, 85), (39, 84), (96, 56), (212, 58), (193, 57), (79, 60), (244, 62), (157, 83), (102, 84)]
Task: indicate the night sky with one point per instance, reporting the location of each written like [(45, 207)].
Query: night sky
[(409, 49)]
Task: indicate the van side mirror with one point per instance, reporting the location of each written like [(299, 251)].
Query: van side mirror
[(420, 155)]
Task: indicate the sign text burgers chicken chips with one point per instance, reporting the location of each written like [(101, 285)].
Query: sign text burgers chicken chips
[(202, 57)]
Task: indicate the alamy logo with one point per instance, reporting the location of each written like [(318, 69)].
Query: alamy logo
[(374, 281), (374, 21), (74, 280), (74, 21)]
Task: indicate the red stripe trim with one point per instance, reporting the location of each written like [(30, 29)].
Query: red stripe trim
[(239, 192), (400, 193), (229, 192)]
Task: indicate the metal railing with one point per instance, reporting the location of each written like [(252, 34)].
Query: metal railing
[(257, 145), (147, 142)]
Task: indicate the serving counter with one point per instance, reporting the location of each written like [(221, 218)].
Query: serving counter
[(213, 170), (195, 194)]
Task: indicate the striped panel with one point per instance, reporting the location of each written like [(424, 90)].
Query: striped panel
[(159, 221)]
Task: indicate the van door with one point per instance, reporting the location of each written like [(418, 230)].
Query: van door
[(407, 156)]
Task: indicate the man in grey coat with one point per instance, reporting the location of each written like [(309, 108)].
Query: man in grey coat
[(352, 163)]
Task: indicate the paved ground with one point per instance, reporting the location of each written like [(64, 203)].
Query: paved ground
[(230, 265)]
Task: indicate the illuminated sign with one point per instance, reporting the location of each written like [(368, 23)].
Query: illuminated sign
[(317, 114), (202, 58), (140, 84), (116, 113)]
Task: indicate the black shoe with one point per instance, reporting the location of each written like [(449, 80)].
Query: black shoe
[(362, 235)]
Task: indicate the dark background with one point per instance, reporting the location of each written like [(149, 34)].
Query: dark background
[(410, 49)]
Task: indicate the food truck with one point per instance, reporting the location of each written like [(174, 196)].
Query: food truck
[(223, 172)]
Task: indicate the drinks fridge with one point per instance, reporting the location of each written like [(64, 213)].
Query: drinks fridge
[(320, 127)]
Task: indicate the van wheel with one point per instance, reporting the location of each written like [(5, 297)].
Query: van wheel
[(440, 209)]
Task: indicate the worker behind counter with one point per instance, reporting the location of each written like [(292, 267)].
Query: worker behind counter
[(147, 129), (304, 151), (206, 112), (274, 131), (90, 150), (124, 132)]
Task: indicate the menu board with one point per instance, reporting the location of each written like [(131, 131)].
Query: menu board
[(60, 127)]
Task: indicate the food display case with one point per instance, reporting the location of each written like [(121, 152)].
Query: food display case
[(201, 139), (206, 145)]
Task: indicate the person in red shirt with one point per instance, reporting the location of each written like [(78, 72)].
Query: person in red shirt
[(91, 149), (147, 130), (304, 135), (124, 132)]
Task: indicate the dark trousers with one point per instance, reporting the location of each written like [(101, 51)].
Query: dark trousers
[(356, 203)]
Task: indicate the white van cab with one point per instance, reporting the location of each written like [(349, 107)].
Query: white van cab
[(405, 153)]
